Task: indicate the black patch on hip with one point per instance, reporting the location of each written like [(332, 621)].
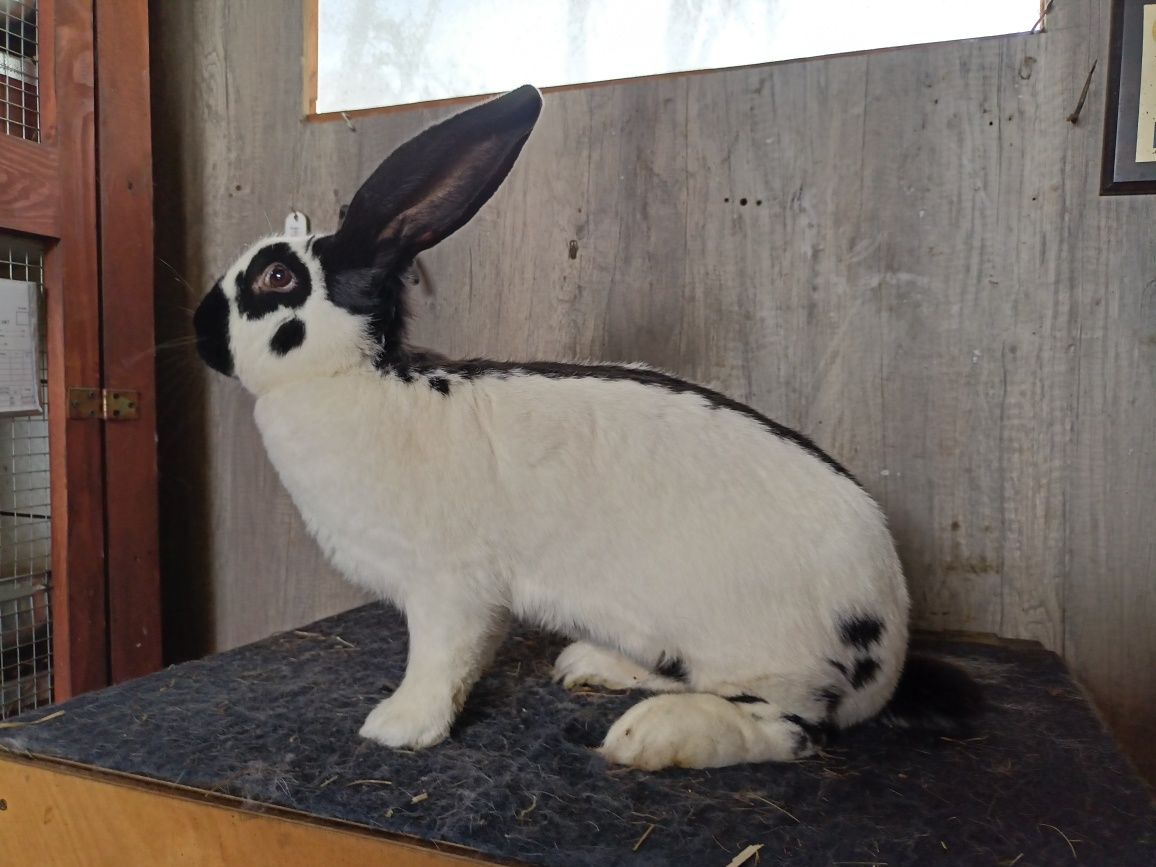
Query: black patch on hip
[(255, 305), (866, 670), (860, 630), (211, 322), (809, 734), (831, 697), (672, 667), (288, 337)]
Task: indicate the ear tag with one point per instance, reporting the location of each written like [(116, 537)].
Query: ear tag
[(296, 225)]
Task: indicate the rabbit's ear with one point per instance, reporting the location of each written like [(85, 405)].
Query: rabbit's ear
[(433, 184)]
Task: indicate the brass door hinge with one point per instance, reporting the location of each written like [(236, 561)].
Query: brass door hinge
[(110, 404)]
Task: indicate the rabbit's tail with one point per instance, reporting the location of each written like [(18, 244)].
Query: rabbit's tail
[(933, 696)]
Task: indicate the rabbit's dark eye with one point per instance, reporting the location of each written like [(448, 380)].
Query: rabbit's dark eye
[(276, 278)]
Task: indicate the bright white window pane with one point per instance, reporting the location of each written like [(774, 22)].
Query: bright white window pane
[(391, 52)]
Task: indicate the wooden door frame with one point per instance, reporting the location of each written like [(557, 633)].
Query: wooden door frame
[(96, 215), (124, 150)]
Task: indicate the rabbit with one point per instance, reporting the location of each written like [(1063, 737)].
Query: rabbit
[(689, 546)]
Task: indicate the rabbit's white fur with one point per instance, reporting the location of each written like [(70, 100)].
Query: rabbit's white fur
[(642, 520), (687, 547)]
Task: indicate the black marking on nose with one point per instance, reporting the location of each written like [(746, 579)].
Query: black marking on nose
[(288, 337), (860, 630), (211, 322)]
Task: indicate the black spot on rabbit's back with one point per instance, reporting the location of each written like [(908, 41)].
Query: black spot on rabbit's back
[(288, 337), (440, 384), (254, 304), (860, 630), (211, 322)]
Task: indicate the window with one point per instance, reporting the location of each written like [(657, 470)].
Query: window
[(19, 79), (372, 53)]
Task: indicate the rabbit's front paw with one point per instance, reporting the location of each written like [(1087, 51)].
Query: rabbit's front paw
[(408, 722)]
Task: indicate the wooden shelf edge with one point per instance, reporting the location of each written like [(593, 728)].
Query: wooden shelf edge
[(59, 812)]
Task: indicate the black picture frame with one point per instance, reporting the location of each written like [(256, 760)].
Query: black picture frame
[(1120, 173)]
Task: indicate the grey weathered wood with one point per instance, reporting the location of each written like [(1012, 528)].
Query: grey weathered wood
[(923, 279)]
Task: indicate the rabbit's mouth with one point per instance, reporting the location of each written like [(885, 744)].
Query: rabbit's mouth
[(211, 322)]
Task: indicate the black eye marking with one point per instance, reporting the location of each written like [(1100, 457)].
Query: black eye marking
[(254, 303), (288, 337), (211, 322)]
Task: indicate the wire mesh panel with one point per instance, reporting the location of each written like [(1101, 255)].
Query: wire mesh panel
[(19, 70), (25, 509)]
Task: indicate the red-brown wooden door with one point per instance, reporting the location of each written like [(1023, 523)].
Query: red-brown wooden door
[(76, 181)]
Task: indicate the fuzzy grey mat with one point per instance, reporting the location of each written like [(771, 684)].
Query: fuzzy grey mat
[(276, 722)]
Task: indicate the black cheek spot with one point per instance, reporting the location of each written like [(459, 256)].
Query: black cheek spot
[(866, 670), (288, 337), (440, 384), (860, 630), (671, 667)]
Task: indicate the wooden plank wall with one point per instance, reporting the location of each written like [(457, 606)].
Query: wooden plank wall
[(922, 277)]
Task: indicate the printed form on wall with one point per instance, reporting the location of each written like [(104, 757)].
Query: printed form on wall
[(19, 381), (1146, 125)]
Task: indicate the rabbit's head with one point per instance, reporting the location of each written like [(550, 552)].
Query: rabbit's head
[(296, 308)]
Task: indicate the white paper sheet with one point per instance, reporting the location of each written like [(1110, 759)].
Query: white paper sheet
[(19, 375), (1146, 122)]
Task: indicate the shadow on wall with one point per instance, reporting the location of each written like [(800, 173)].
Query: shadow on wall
[(181, 394)]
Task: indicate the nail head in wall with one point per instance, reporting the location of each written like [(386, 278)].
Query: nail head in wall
[(573, 249)]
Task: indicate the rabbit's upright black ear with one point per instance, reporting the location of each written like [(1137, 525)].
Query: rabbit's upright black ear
[(433, 184)]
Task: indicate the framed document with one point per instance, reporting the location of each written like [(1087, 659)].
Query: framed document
[(1129, 163)]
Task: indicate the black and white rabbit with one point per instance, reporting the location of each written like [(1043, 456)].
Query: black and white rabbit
[(689, 545)]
